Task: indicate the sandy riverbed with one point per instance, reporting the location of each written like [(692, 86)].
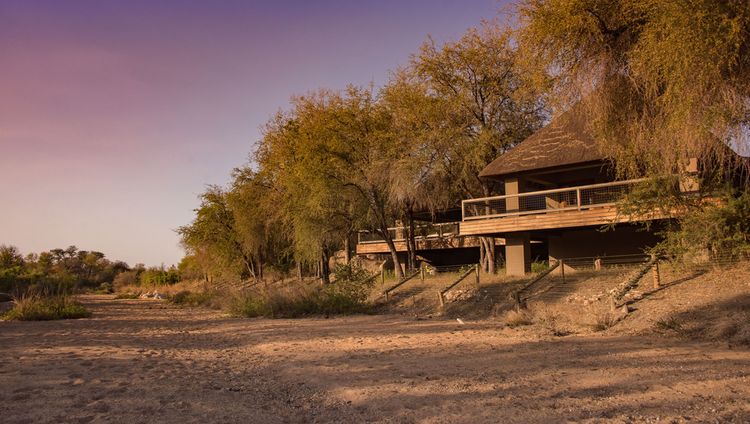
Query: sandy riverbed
[(145, 361)]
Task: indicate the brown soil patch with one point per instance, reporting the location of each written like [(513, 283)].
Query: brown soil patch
[(145, 361)]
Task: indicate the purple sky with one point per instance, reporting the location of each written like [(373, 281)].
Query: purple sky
[(115, 114)]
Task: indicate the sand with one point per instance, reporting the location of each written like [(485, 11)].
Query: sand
[(144, 361)]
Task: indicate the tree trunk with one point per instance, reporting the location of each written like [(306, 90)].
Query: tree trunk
[(347, 249), (487, 254), (394, 254), (482, 253), (325, 271), (491, 255), (411, 241), (249, 265), (260, 266), (299, 271)]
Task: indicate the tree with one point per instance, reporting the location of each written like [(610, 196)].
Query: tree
[(329, 161), (487, 103), (214, 232), (659, 81), (10, 257)]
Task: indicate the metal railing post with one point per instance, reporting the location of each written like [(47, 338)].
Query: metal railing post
[(562, 269), (578, 198), (655, 271)]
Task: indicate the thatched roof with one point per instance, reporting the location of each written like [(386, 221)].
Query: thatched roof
[(563, 142)]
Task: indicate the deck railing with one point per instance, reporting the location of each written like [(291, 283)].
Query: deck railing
[(539, 202), (423, 232)]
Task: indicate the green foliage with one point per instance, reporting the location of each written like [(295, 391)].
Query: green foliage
[(718, 229), (159, 276), (659, 81), (125, 279), (44, 308), (360, 158), (56, 271), (188, 298), (346, 295), (537, 267)]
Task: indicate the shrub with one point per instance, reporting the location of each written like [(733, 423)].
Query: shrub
[(39, 308), (188, 298), (551, 321), (669, 323), (346, 295), (104, 288), (603, 321), (250, 306), (515, 318), (537, 267), (124, 279), (720, 228)]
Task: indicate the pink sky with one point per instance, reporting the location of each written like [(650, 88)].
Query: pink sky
[(114, 115)]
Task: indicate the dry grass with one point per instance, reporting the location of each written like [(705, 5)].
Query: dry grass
[(517, 318), (669, 323), (604, 320), (46, 308)]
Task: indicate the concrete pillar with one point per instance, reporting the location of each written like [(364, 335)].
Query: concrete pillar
[(518, 254), (513, 186)]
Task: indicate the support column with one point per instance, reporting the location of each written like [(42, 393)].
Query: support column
[(513, 186), (518, 254)]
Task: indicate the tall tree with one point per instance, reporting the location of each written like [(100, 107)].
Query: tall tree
[(486, 98), (659, 81), (214, 232)]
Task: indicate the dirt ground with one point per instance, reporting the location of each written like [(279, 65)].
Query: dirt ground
[(146, 361)]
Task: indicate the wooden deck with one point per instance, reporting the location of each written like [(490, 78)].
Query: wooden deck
[(595, 216), (583, 206), (455, 242)]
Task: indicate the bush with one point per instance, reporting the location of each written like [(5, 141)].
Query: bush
[(124, 279), (346, 295), (515, 318), (39, 308), (537, 267), (669, 323), (720, 228), (105, 288), (603, 321), (188, 298)]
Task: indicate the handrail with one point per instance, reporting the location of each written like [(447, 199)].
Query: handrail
[(438, 235), (399, 284), (557, 190), (622, 290), (516, 295), (441, 293), (576, 206)]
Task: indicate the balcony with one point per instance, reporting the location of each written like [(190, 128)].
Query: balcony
[(428, 237), (589, 205)]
